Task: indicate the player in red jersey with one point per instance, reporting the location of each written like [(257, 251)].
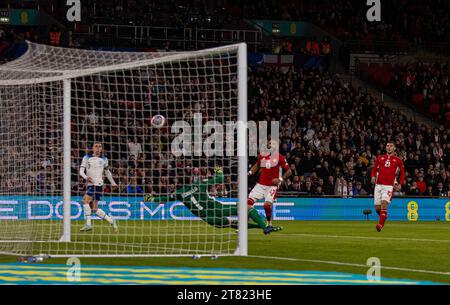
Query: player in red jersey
[(269, 180), (387, 166)]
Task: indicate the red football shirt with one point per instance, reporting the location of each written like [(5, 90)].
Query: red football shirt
[(270, 168), (387, 168)]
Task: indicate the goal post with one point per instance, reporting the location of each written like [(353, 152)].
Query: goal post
[(242, 150), (56, 103), (66, 160)]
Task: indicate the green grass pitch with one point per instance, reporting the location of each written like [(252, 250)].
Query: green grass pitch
[(418, 251)]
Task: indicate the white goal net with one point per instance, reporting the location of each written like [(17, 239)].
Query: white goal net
[(61, 106)]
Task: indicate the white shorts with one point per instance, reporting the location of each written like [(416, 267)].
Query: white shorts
[(382, 192), (268, 192)]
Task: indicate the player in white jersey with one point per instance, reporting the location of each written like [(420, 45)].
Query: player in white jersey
[(92, 169)]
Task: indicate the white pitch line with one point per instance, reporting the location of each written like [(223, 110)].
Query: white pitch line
[(347, 264), (365, 237)]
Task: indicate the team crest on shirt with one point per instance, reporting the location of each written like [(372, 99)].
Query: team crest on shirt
[(269, 163), (96, 162)]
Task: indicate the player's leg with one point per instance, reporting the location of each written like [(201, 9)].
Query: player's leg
[(378, 209), (221, 214), (218, 222), (224, 222), (259, 220), (235, 225), (86, 201), (100, 213), (270, 196), (256, 194), (386, 196), (377, 198), (377, 202)]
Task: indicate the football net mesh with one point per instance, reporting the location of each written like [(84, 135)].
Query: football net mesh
[(113, 96)]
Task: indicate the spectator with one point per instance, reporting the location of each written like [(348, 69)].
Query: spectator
[(134, 148), (413, 190), (359, 190), (329, 186), (421, 185), (133, 187), (308, 186), (440, 191)]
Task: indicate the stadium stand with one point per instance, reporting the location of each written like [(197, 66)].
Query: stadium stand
[(422, 85), (331, 131)]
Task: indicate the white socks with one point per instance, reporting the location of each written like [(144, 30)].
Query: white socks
[(100, 213), (87, 214)]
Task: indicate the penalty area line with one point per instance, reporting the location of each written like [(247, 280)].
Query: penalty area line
[(347, 264)]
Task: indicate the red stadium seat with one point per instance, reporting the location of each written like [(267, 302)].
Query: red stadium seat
[(417, 99), (386, 79), (387, 67), (363, 68), (434, 109), (374, 69)]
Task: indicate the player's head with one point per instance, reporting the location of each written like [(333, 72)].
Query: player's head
[(97, 148), (273, 145), (390, 147)]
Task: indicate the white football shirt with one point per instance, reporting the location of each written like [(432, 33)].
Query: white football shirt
[(95, 166)]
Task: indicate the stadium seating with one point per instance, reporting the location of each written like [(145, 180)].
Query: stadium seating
[(309, 130)]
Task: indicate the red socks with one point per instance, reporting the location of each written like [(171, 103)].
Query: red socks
[(383, 216), (268, 210)]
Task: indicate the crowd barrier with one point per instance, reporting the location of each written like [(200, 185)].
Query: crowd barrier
[(133, 208)]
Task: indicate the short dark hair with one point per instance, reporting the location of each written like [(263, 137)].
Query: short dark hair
[(391, 142)]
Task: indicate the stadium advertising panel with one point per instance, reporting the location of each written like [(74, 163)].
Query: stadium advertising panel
[(132, 208)]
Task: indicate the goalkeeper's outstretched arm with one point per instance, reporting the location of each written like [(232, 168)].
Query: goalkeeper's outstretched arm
[(160, 199), (218, 177)]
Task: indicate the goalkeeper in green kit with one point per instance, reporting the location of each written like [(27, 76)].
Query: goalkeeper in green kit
[(197, 199)]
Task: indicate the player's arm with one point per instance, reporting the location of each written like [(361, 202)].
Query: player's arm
[(218, 177), (175, 196), (373, 174), (402, 176), (287, 171), (255, 168), (160, 199), (108, 174), (83, 170), (286, 168)]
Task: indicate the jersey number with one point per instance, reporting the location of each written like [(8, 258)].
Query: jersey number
[(195, 202), (387, 163)]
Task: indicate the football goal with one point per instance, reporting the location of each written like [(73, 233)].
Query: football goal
[(84, 171)]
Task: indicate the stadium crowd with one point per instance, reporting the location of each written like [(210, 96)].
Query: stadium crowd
[(423, 85), (331, 134), (403, 22), (426, 85), (415, 21)]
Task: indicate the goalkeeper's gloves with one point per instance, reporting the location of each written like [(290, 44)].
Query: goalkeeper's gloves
[(218, 170)]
